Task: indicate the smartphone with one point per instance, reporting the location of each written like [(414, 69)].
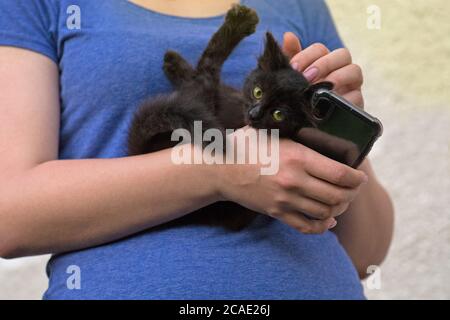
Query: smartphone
[(341, 131)]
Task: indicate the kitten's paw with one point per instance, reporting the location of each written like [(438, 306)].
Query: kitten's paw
[(242, 19), (176, 68)]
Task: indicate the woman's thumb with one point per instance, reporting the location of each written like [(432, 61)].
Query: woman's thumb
[(291, 44)]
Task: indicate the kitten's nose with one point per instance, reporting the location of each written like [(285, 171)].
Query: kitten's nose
[(254, 112)]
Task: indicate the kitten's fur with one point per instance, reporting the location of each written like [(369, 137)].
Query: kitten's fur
[(200, 95)]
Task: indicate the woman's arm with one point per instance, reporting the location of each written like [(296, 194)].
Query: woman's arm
[(365, 229), (63, 205)]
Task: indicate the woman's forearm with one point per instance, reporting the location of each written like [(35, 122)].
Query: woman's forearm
[(365, 230), (65, 205)]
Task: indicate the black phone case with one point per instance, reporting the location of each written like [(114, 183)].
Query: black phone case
[(341, 131)]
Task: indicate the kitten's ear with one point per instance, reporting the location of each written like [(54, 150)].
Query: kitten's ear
[(327, 85), (273, 58)]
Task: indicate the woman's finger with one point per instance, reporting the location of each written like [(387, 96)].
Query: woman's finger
[(327, 64), (305, 225), (308, 56), (355, 97), (334, 172), (327, 193), (342, 90), (291, 45), (310, 206), (349, 77)]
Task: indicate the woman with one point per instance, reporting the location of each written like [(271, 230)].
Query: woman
[(71, 75)]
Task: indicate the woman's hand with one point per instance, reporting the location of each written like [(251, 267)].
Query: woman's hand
[(365, 230), (319, 64), (306, 183)]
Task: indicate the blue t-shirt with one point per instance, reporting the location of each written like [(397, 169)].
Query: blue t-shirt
[(109, 53)]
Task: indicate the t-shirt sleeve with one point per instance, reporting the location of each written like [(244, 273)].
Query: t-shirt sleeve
[(319, 25), (29, 24)]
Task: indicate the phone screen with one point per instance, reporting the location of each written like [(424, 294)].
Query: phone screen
[(341, 131)]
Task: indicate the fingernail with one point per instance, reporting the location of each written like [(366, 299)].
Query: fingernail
[(332, 224), (294, 65), (311, 73)]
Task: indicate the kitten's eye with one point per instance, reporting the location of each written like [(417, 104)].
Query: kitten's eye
[(278, 115), (257, 93)]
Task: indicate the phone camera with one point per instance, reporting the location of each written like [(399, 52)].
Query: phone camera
[(322, 109)]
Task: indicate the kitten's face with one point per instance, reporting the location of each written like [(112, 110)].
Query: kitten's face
[(276, 100), (277, 96)]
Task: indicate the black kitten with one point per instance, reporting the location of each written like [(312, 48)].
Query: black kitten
[(274, 96)]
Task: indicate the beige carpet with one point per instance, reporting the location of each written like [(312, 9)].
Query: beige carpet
[(406, 65)]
